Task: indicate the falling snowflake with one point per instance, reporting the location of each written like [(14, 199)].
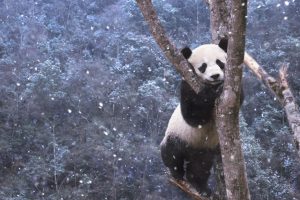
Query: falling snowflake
[(105, 133), (286, 3)]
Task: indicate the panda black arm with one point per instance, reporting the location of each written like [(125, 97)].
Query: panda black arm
[(196, 109)]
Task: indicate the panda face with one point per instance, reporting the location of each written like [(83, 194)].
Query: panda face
[(208, 62)]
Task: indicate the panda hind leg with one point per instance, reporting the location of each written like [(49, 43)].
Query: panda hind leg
[(172, 153), (198, 169)]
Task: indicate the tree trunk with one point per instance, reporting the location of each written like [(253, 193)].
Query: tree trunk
[(219, 29), (228, 107), (219, 16)]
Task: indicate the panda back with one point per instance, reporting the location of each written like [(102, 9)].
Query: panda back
[(204, 137)]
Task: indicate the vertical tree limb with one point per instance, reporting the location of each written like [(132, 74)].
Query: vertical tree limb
[(228, 107), (219, 16), (171, 52)]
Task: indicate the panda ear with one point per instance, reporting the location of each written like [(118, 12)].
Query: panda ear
[(186, 52), (223, 44)]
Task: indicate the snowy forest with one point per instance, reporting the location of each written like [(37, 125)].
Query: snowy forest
[(86, 95)]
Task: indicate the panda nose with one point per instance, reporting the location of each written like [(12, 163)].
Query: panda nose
[(216, 76)]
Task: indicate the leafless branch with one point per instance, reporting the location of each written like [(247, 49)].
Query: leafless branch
[(171, 52), (268, 80), (281, 90)]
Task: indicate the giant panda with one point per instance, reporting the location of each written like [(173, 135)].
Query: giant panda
[(191, 139)]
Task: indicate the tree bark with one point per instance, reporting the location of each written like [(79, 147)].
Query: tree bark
[(171, 52), (228, 108), (290, 107), (219, 16)]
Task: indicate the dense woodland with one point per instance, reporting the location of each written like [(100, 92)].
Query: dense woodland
[(86, 94)]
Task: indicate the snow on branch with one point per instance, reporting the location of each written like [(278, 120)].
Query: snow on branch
[(281, 90)]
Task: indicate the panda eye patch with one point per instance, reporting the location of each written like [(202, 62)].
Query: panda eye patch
[(220, 63), (203, 68)]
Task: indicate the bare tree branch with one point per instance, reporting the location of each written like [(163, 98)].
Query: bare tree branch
[(268, 80), (281, 90), (228, 107), (290, 107), (171, 52)]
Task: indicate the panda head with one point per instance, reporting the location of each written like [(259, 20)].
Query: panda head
[(208, 61)]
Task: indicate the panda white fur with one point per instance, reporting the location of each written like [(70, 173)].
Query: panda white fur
[(191, 140)]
